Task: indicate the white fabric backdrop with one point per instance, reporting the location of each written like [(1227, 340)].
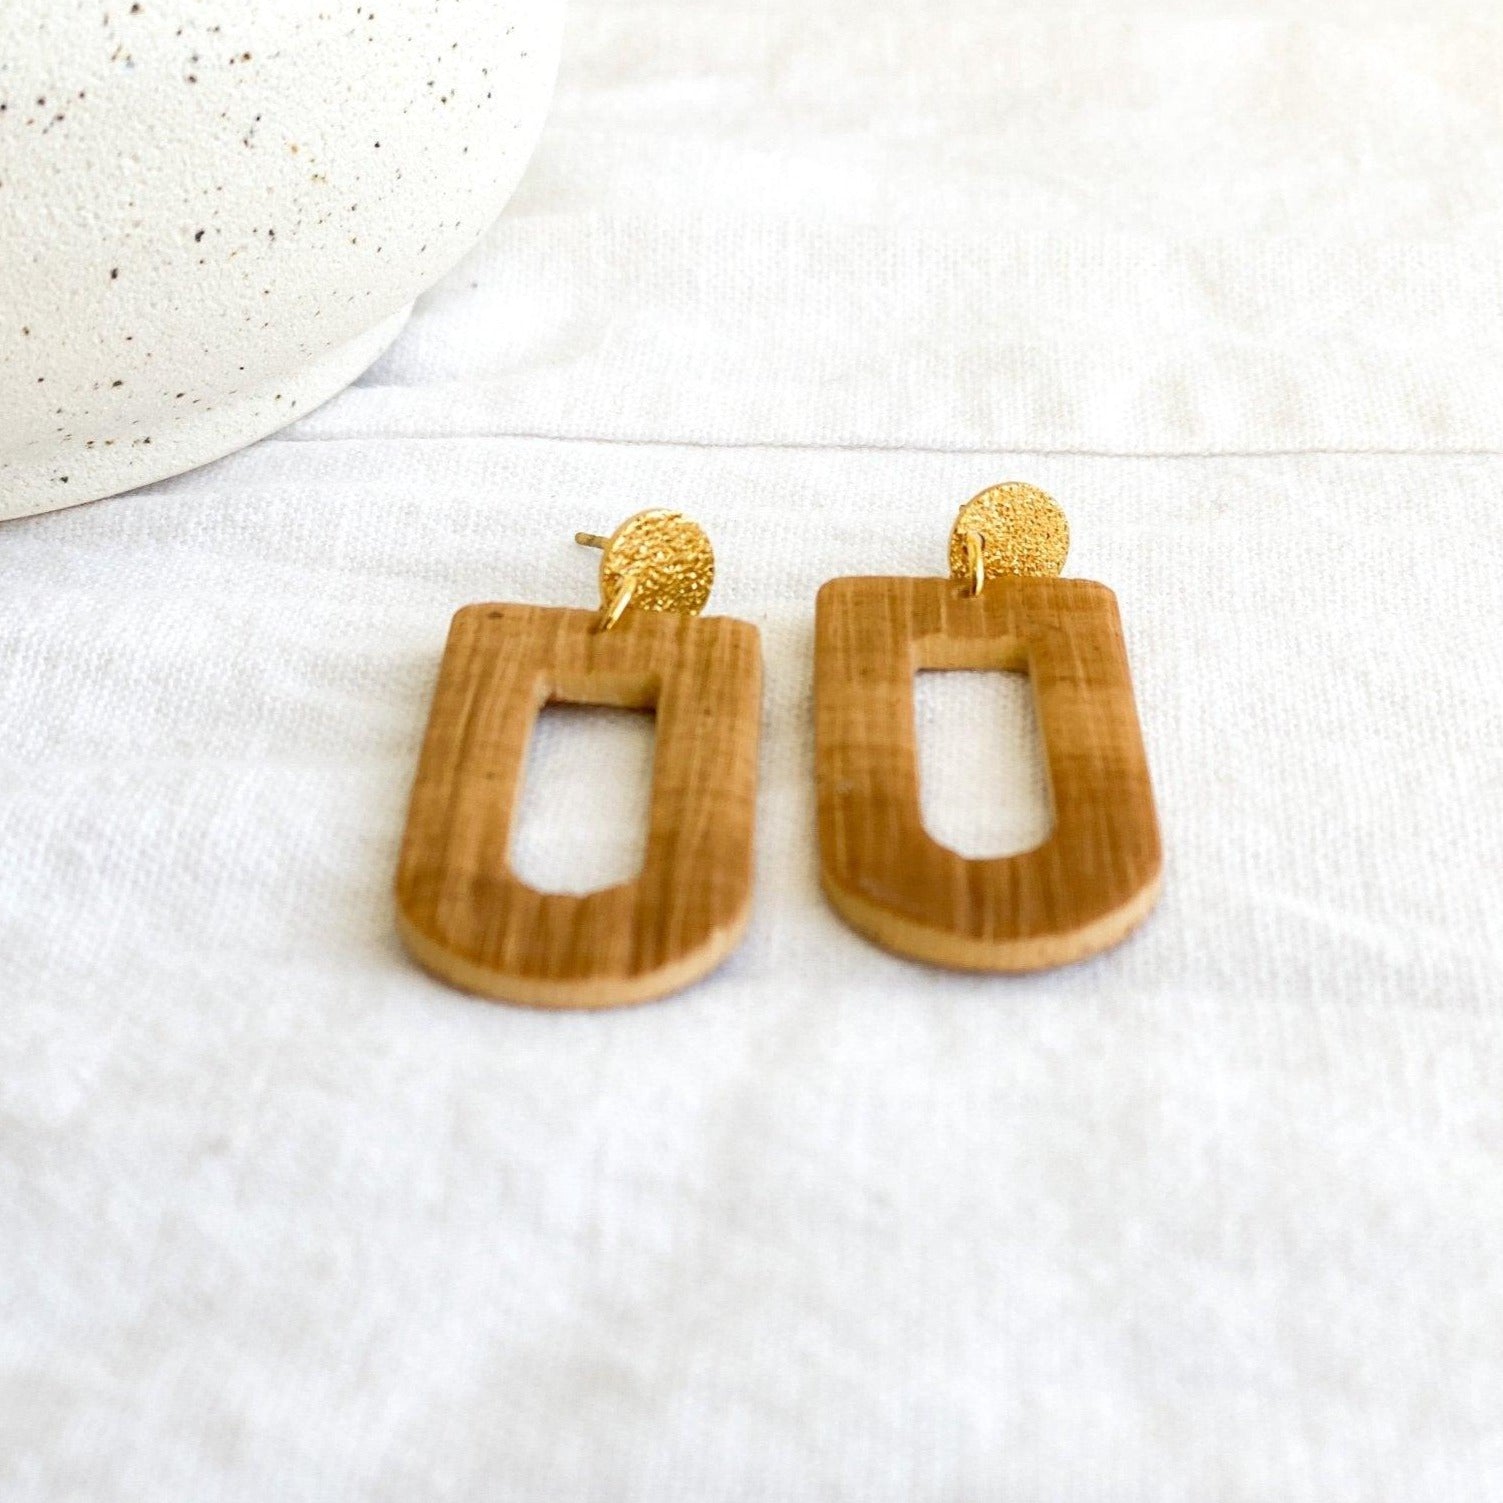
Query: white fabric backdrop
[(1216, 1216)]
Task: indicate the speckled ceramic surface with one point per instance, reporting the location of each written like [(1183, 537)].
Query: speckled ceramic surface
[(214, 214)]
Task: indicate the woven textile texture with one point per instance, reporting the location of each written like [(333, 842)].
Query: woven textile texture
[(1218, 1215)]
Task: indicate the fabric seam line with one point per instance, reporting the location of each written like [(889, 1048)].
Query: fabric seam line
[(880, 448)]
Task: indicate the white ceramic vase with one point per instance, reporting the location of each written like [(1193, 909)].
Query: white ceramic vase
[(214, 214)]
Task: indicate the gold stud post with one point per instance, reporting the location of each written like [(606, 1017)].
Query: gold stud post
[(591, 540)]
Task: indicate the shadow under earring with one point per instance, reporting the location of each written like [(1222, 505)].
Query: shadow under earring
[(1097, 874), (461, 910)]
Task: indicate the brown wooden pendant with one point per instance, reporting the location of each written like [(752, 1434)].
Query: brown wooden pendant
[(1097, 875), (463, 913)]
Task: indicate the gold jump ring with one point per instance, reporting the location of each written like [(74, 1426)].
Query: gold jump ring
[(612, 613), (975, 562)]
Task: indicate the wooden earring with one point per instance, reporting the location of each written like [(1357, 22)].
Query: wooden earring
[(462, 912), (1097, 875)]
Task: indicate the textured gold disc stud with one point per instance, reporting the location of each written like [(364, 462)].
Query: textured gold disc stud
[(1010, 528), (656, 560)]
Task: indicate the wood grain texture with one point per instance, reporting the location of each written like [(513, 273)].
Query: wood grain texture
[(1094, 878), (464, 914)]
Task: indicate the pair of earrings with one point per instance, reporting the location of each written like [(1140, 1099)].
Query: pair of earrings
[(467, 918)]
